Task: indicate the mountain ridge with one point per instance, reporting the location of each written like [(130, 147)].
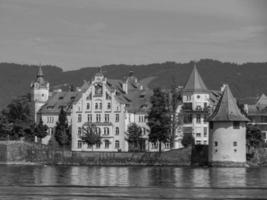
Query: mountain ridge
[(247, 80)]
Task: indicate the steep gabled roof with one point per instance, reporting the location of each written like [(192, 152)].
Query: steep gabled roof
[(262, 100), (227, 109), (195, 82)]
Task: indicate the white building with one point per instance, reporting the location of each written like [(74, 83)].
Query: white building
[(112, 105), (196, 103), (227, 132)]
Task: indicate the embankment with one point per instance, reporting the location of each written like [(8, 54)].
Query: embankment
[(19, 152)]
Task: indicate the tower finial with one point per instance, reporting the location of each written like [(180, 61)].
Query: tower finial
[(40, 72)]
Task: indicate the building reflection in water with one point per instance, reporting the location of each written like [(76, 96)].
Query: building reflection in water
[(228, 177)]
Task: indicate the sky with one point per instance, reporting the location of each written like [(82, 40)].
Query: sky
[(73, 34)]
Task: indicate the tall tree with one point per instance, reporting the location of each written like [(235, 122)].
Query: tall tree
[(134, 137), (90, 135), (174, 99), (254, 138), (63, 133), (159, 118), (41, 130)]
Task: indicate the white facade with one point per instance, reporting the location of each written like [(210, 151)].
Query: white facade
[(196, 112), (228, 142), (103, 109)]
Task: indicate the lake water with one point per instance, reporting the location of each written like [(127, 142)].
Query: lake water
[(81, 182)]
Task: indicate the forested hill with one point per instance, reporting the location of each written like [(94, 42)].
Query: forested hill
[(246, 81)]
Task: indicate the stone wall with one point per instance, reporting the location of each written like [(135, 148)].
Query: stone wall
[(19, 152)]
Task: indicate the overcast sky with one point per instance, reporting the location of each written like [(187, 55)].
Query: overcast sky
[(80, 33)]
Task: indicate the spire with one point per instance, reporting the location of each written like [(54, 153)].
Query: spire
[(195, 82), (227, 109), (40, 72)]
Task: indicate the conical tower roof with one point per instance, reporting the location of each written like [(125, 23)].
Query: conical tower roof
[(40, 76), (195, 82), (227, 109), (40, 72)]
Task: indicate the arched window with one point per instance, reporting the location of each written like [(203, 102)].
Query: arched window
[(117, 130)]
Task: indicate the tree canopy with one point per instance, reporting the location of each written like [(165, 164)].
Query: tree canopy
[(134, 137), (159, 118), (63, 132), (40, 129), (90, 135)]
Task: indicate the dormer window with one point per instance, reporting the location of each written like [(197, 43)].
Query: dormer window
[(108, 97), (98, 90)]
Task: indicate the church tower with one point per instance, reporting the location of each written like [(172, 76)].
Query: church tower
[(39, 92), (227, 132), (196, 100)]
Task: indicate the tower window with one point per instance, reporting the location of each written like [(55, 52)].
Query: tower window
[(198, 118), (236, 125), (235, 144), (215, 143), (117, 131)]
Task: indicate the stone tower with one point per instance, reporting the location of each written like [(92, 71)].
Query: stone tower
[(39, 92), (227, 132), (196, 100)]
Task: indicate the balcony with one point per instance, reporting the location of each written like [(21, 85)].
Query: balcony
[(188, 108)]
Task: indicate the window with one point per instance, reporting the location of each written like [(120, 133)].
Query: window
[(236, 125), (106, 131), (106, 117), (80, 144), (117, 131), (50, 119), (167, 145), (205, 142), (117, 118), (98, 117), (144, 131), (235, 144), (88, 106), (100, 106), (106, 144), (98, 131), (79, 117), (198, 96), (117, 144), (96, 106), (108, 97), (51, 131), (154, 145), (109, 105), (187, 118), (188, 98), (79, 132), (97, 145), (215, 143), (198, 134), (198, 118), (205, 132), (89, 146), (98, 90), (198, 142), (89, 117)]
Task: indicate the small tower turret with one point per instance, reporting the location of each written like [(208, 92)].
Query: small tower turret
[(227, 132), (39, 92)]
